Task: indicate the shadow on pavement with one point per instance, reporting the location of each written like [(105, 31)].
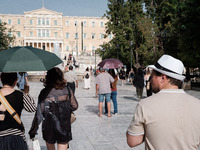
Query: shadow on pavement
[(92, 108), (131, 98)]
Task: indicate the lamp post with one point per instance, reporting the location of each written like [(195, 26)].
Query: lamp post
[(131, 53), (95, 67), (103, 50), (82, 36), (72, 46)]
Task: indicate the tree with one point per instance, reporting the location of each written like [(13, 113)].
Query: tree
[(134, 33), (6, 40), (188, 22), (150, 47), (178, 22)]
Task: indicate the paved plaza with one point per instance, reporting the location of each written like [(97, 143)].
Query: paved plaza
[(91, 132)]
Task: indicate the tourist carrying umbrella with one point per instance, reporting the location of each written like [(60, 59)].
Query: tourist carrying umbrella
[(19, 59), (110, 63)]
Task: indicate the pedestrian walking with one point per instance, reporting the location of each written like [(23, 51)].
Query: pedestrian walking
[(170, 118), (131, 75), (147, 78), (138, 82), (55, 105), (87, 78), (22, 82), (113, 86), (71, 78), (12, 132), (103, 89), (122, 75)]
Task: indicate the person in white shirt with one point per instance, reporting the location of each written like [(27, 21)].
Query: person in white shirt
[(169, 119), (71, 78)]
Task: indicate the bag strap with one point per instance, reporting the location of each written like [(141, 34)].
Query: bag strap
[(9, 108), (69, 93)]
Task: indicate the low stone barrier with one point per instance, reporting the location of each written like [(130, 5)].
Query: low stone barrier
[(36, 78)]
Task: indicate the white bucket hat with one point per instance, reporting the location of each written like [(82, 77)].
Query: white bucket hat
[(169, 66)]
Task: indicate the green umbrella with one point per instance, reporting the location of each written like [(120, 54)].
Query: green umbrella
[(21, 59)]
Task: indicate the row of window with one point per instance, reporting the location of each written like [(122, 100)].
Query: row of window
[(93, 36), (76, 48), (84, 23), (10, 21), (46, 33), (43, 21)]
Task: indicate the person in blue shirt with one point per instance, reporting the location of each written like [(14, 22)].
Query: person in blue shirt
[(22, 80)]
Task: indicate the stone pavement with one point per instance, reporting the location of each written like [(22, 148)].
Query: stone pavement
[(91, 132)]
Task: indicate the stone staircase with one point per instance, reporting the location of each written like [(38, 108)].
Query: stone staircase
[(84, 62), (87, 61)]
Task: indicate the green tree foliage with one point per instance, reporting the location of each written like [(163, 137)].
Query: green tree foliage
[(188, 32), (178, 22), (167, 26), (6, 40), (134, 33)]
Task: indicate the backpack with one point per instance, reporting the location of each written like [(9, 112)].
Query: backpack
[(87, 76)]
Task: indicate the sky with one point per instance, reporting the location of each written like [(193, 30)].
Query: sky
[(89, 8)]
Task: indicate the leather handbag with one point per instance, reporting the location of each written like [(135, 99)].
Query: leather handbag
[(73, 117)]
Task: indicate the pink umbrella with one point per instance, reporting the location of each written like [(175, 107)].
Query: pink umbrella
[(110, 63)]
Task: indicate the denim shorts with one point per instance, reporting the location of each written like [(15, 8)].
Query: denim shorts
[(107, 97)]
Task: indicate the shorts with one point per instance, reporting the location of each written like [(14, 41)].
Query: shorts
[(107, 97)]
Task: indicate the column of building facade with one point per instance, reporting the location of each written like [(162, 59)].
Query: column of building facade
[(61, 45), (45, 45), (49, 46)]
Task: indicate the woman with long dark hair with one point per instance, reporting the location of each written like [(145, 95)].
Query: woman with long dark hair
[(55, 105)]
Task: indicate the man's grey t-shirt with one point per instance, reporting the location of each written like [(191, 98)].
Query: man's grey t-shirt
[(70, 76), (103, 80)]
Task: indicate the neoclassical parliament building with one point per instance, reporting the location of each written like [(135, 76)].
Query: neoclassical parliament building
[(47, 29)]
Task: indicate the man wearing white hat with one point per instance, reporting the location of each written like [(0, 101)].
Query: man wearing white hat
[(169, 119)]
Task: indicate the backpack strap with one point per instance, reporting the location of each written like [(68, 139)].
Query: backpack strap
[(69, 92)]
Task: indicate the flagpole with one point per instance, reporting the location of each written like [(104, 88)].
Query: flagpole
[(42, 3)]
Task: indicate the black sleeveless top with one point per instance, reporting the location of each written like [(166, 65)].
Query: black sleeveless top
[(16, 101)]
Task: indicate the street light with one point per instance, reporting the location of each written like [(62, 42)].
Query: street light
[(103, 50), (82, 36), (72, 46), (131, 43), (95, 61)]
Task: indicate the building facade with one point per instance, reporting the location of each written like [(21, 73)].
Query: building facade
[(47, 29)]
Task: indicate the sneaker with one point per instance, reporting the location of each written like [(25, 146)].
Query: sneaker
[(115, 113)]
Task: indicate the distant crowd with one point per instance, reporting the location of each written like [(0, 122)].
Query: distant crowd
[(167, 119)]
